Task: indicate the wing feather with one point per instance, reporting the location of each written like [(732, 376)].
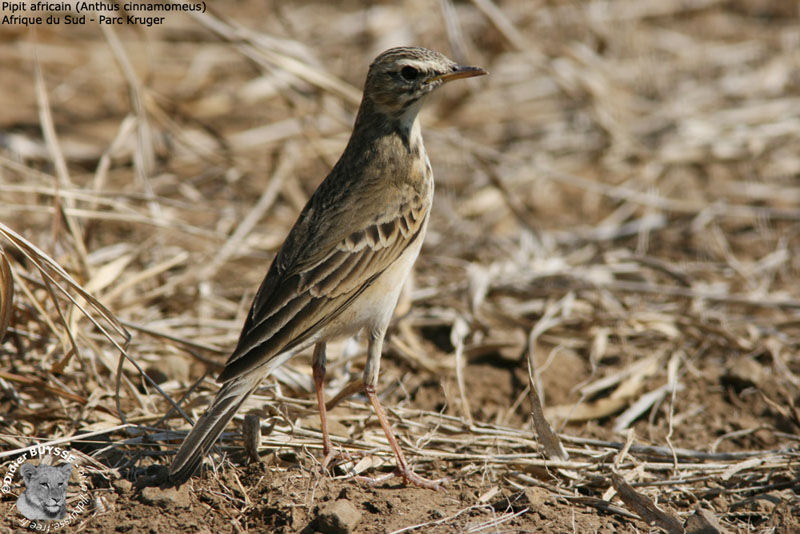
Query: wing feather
[(294, 304)]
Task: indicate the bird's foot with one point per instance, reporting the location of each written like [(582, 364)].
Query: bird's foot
[(408, 476), (329, 456)]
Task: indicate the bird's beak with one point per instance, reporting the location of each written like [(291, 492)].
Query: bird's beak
[(460, 71)]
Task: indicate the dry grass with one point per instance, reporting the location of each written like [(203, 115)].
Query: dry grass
[(617, 213)]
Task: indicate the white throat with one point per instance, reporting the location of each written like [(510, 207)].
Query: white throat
[(409, 121)]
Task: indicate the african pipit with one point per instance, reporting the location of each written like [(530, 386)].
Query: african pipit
[(344, 262)]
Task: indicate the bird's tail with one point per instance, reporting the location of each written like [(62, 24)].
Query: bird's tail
[(211, 424)]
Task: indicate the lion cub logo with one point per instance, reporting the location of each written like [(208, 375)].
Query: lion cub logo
[(45, 494)]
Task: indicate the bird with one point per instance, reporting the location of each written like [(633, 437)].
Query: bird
[(344, 262)]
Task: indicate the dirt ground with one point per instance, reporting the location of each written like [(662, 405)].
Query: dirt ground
[(616, 232)]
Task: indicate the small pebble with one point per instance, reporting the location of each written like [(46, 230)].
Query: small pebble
[(168, 498), (122, 486), (338, 517)]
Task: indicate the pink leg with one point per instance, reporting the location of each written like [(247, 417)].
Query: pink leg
[(402, 470), (318, 366), (370, 381)]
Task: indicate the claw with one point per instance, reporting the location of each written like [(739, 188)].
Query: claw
[(408, 476)]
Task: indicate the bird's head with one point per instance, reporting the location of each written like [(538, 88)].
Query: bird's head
[(399, 79)]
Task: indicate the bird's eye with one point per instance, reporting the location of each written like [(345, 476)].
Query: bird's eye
[(409, 73)]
